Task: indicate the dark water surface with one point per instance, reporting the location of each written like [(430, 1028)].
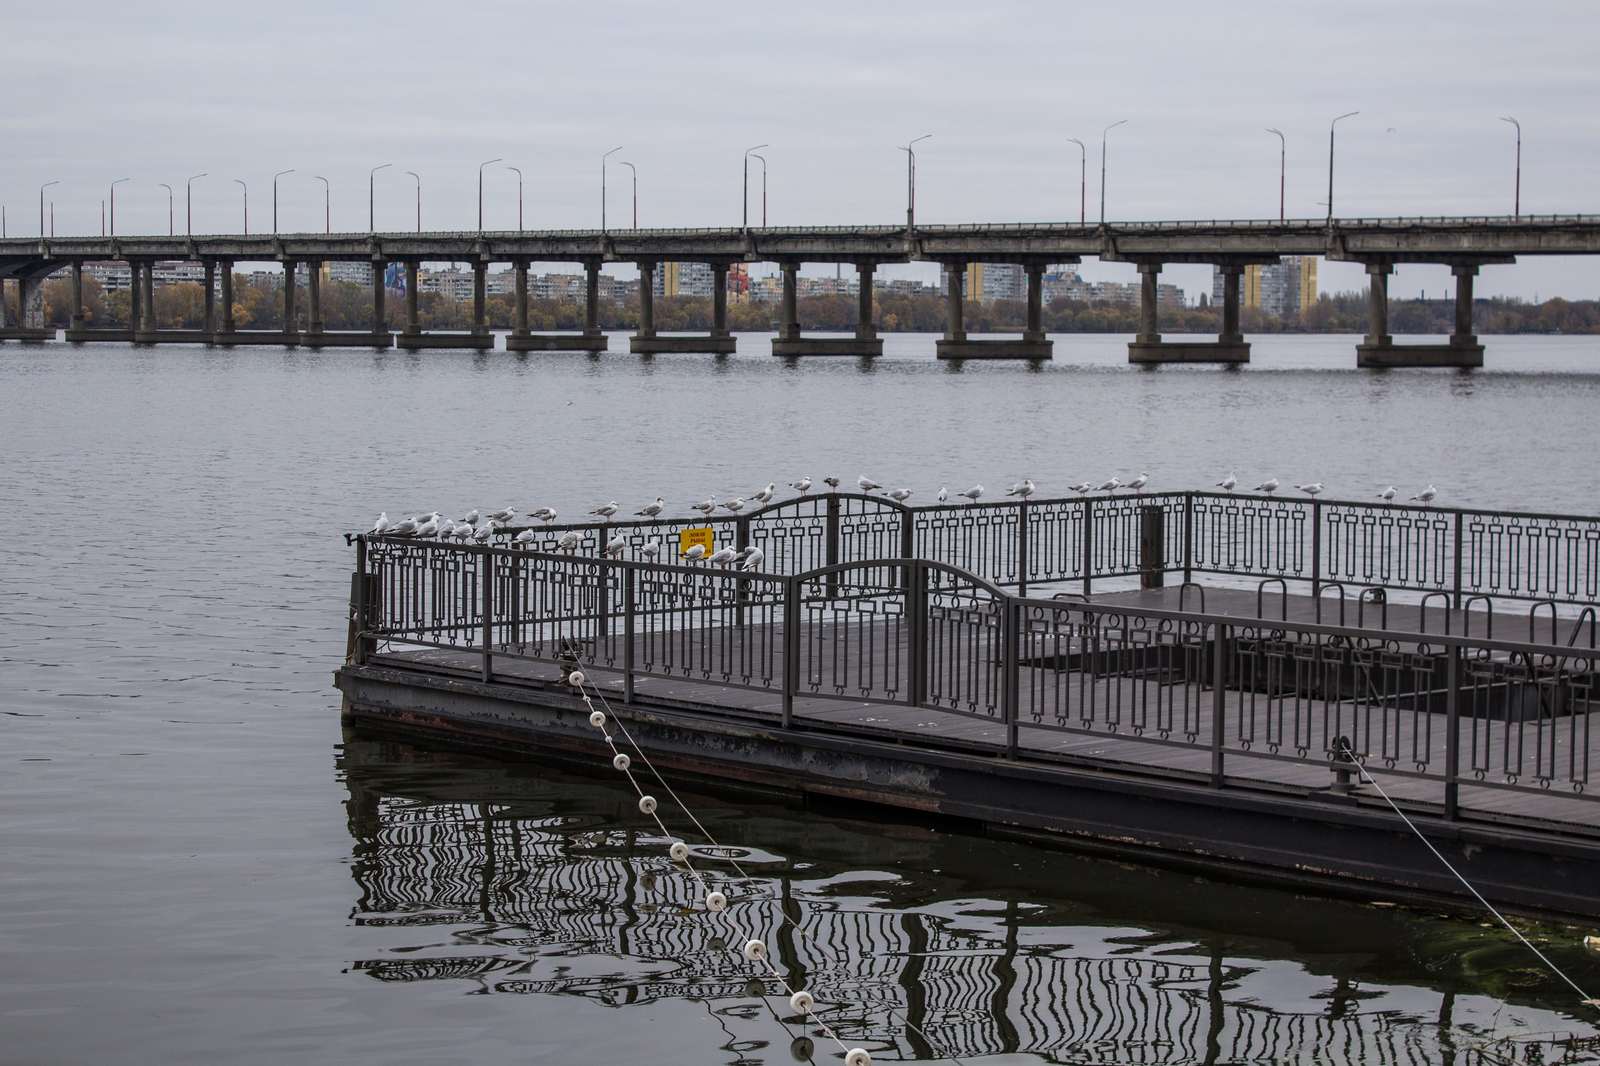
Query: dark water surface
[(197, 864)]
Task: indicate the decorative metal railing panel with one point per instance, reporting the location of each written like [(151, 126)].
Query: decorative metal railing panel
[(1543, 557), (1257, 536), (853, 633)]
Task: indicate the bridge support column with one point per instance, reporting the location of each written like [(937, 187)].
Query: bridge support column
[(291, 321), (226, 296), (955, 344), (954, 328), (148, 324), (134, 302), (30, 302), (1463, 337), (790, 341), (413, 321), (1148, 347), (5, 308), (75, 318), (480, 295), (590, 340), (789, 326), (1379, 351), (865, 330), (313, 299), (647, 300), (1034, 330), (380, 313), (591, 299), (648, 342), (519, 325), (413, 338), (209, 326), (719, 299)]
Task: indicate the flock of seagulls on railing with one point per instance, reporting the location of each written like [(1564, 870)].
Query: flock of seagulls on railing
[(480, 528)]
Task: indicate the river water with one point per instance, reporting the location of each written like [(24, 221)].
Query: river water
[(200, 864)]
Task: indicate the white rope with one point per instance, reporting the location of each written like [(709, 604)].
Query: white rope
[(1587, 1000), (755, 949), (784, 917)]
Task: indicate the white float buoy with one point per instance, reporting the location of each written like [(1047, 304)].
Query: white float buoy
[(576, 679), (755, 950), (679, 851), (621, 761), (597, 719), (716, 902), (647, 804), (858, 1057), (802, 1002)]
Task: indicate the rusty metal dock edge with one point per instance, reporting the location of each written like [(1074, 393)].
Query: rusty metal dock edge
[(1332, 845)]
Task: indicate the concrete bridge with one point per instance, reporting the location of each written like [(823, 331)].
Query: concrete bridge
[(1464, 244)]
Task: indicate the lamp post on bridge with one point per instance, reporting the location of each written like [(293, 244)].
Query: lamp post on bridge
[(1331, 125), (1103, 138), (480, 190), (245, 189), (1283, 156), (745, 207), (275, 178), (114, 185), (603, 159), (164, 185), (518, 172), (327, 203), (1083, 180), (909, 148), (42, 188), (1516, 203), (635, 171), (763, 187), (372, 196), (188, 204), (414, 174)]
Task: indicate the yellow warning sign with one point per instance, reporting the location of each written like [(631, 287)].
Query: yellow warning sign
[(705, 536)]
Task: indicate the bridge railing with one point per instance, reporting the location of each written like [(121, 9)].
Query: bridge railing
[(1451, 721)]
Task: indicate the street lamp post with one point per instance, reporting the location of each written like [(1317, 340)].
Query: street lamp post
[(372, 196), (911, 180), (746, 206), (275, 178), (518, 173), (414, 174), (1083, 180), (167, 187), (603, 159), (1283, 156), (635, 172), (763, 188), (1331, 125), (188, 204), (327, 203), (114, 185), (1103, 138), (480, 190), (42, 188), (1516, 203), (245, 189)]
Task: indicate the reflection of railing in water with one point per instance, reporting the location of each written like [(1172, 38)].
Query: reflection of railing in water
[(516, 884)]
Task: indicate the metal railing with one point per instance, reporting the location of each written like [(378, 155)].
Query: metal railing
[(1237, 698)]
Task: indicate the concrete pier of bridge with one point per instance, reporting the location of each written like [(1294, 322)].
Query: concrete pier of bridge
[(790, 342), (648, 342), (590, 340), (1379, 351), (30, 306), (412, 338), (955, 344), (1230, 347)]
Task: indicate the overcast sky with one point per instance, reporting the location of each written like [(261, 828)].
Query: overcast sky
[(96, 91)]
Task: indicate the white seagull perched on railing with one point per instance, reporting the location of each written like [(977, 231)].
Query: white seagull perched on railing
[(430, 528), (605, 510), (650, 510), (1138, 483), (651, 550), (1312, 489), (802, 486), (866, 484), (899, 495), (735, 505), (543, 514), (382, 523), (705, 506), (1023, 488), (569, 540), (1388, 494), (1081, 488), (404, 528), (721, 556), (615, 546), (944, 493), (483, 534), (973, 493), (1227, 483), (766, 494), (471, 517), (831, 482), (1426, 495), (753, 558), (694, 552), (505, 514), (1110, 486), (525, 537), (1268, 486)]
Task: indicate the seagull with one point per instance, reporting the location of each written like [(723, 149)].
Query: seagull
[(754, 559), (447, 528), (1426, 495), (802, 486), (1110, 486), (766, 494), (944, 493), (651, 550), (382, 523), (721, 556), (1138, 483), (1311, 489), (471, 517), (650, 510), (1227, 483), (705, 506), (695, 551), (867, 484), (831, 482), (404, 528), (503, 515), (1023, 488), (430, 528), (605, 511), (543, 514), (1268, 486), (1388, 494), (899, 495), (483, 534), (525, 537), (615, 546), (735, 505), (1081, 487), (568, 542), (973, 493)]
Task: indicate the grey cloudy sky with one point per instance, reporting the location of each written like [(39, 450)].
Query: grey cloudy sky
[(96, 91)]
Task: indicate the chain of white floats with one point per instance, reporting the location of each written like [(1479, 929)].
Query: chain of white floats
[(716, 902)]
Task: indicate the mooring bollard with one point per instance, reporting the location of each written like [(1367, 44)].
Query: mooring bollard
[(1342, 761)]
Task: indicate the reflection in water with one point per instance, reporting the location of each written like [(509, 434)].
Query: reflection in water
[(548, 882)]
